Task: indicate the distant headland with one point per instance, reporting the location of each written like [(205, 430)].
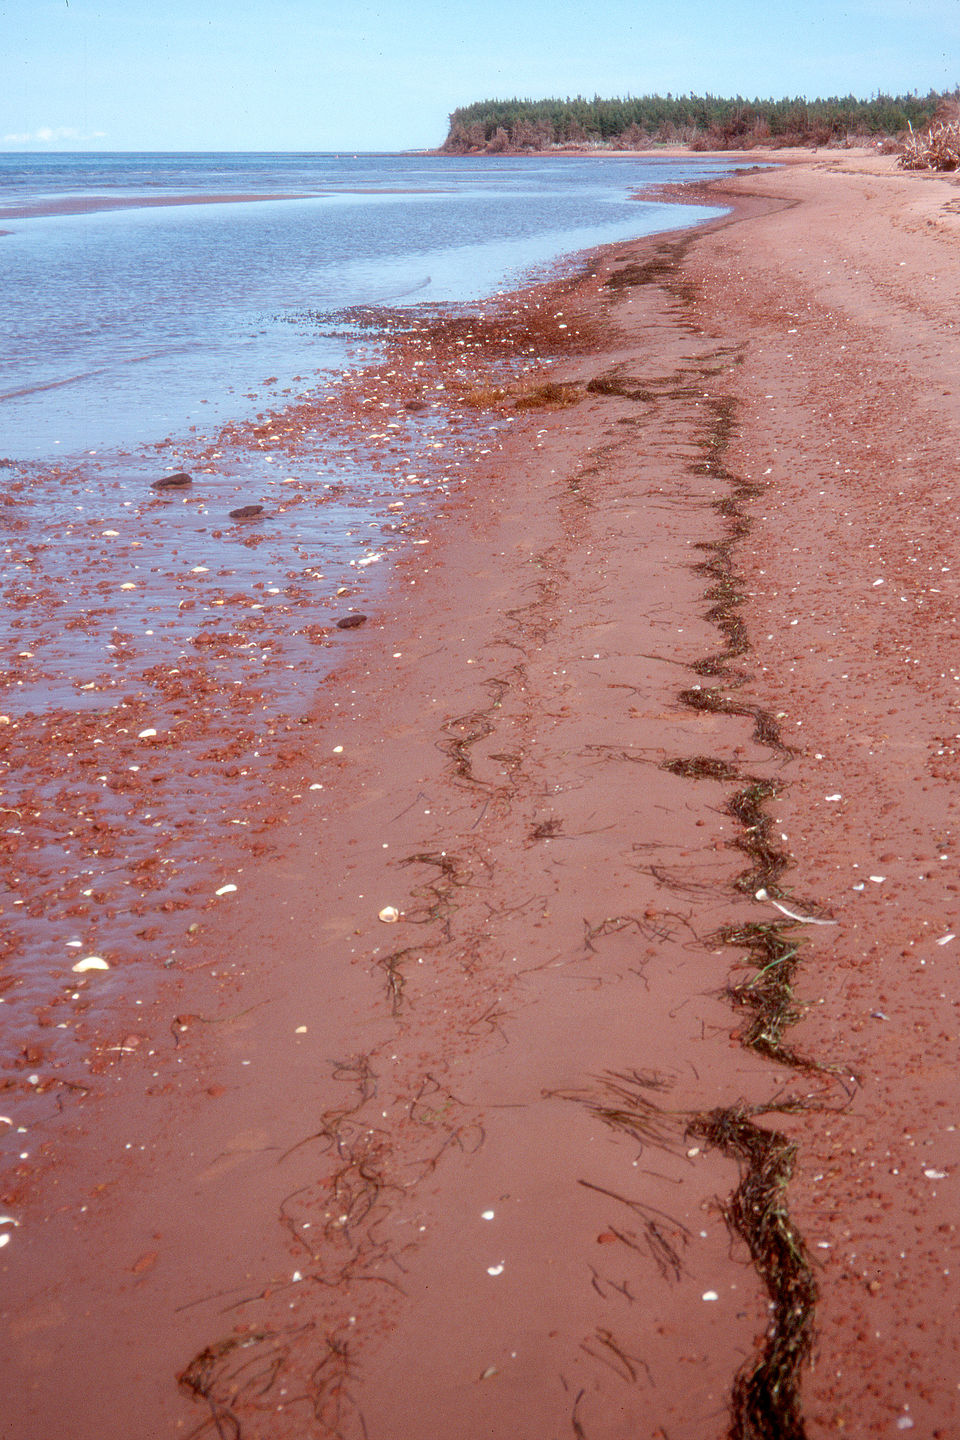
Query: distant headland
[(696, 122)]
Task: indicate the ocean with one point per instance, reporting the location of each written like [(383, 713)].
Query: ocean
[(121, 325)]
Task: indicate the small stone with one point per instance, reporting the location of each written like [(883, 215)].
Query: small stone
[(173, 482), (350, 622), (246, 512)]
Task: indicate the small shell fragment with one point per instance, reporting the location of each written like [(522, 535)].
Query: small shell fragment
[(710, 1295), (90, 962), (389, 914), (935, 1174), (226, 890), (495, 1269), (146, 734)]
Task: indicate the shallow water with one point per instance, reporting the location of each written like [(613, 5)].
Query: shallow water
[(121, 326)]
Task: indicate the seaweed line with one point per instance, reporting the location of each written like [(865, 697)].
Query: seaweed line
[(765, 1400)]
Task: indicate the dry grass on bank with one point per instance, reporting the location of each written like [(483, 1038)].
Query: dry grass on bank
[(938, 146)]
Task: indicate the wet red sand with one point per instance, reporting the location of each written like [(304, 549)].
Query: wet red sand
[(440, 1175)]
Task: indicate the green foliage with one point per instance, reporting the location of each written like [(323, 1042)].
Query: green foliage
[(707, 121)]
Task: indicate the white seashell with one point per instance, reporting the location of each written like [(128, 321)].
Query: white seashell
[(226, 890), (389, 914), (90, 962)]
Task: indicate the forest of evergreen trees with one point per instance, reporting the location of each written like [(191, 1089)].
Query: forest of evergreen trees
[(704, 122)]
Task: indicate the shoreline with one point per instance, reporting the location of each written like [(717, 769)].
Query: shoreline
[(507, 749)]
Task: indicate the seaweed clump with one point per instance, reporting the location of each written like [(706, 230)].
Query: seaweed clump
[(765, 1403)]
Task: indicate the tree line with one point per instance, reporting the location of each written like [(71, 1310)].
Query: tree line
[(701, 121)]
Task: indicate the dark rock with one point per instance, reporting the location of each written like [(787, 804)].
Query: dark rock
[(414, 405), (350, 622), (180, 481), (246, 512)]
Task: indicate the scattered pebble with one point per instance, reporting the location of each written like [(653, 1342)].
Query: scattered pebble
[(173, 482)]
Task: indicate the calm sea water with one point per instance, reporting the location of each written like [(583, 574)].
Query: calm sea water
[(119, 326)]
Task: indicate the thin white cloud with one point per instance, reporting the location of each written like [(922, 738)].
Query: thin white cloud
[(52, 135)]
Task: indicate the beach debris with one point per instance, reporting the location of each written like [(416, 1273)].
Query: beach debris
[(945, 939), (832, 799), (173, 482), (146, 734), (90, 962), (486, 1215), (792, 914), (710, 1295), (935, 1174), (389, 915), (496, 1269), (351, 622), (246, 512), (226, 890)]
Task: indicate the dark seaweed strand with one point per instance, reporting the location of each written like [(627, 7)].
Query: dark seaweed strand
[(765, 1404), (765, 1400)]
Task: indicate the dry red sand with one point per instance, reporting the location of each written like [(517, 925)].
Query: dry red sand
[(458, 1173)]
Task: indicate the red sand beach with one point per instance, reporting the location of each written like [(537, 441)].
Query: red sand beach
[(576, 1054)]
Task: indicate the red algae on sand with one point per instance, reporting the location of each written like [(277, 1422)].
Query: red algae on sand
[(548, 1061)]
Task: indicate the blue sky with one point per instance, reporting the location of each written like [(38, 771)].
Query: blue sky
[(360, 75)]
